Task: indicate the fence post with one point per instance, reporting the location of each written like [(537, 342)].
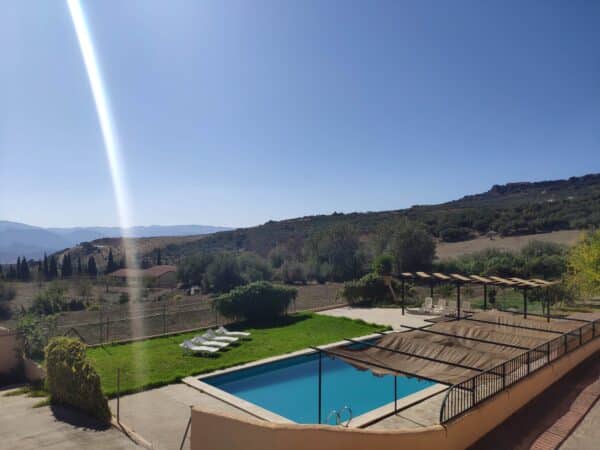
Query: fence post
[(580, 336), (119, 396), (528, 362), (503, 376), (473, 395), (565, 341), (101, 328), (320, 383), (548, 351), (395, 394), (108, 329)]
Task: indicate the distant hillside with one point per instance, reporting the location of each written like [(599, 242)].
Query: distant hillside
[(19, 239), (514, 209), (507, 210)]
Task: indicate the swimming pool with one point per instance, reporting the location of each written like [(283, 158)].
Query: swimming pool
[(289, 387)]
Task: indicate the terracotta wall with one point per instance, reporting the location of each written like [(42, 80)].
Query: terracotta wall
[(9, 357), (213, 431)]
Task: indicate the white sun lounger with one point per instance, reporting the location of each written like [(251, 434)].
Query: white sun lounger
[(199, 340), (225, 332), (189, 346), (210, 334)]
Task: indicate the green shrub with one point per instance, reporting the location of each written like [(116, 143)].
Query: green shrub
[(72, 380), (368, 290), (123, 298), (51, 301), (259, 301), (34, 332)]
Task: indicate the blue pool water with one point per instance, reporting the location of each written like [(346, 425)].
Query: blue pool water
[(290, 387)]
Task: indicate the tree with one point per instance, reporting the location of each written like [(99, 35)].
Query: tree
[(111, 266), (584, 265), (158, 258), (293, 272), (339, 247), (192, 270), (24, 272), (91, 267), (53, 268), (46, 267), (409, 244), (67, 268), (79, 268), (223, 273), (18, 269)]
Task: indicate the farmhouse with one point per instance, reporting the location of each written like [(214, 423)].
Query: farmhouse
[(159, 276)]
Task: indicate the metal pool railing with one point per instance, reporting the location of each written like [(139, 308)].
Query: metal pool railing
[(463, 396)]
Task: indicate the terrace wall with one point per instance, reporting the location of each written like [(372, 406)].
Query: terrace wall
[(9, 356), (216, 431)]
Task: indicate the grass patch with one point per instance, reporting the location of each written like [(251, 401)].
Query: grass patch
[(159, 361)]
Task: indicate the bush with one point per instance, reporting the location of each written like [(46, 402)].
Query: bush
[(51, 301), (72, 380), (368, 290), (35, 331), (259, 301)]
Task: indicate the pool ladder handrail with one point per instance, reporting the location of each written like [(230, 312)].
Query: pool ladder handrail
[(338, 416)]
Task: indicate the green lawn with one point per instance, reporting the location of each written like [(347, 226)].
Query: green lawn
[(160, 361)]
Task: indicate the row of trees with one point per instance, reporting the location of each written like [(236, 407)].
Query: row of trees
[(337, 253), (537, 259), (49, 269)]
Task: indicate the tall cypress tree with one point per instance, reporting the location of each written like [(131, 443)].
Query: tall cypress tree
[(18, 269), (110, 264), (1, 272), (25, 274), (91, 267), (46, 268), (67, 268), (158, 258), (79, 268), (53, 268)]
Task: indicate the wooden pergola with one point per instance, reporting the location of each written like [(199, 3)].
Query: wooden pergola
[(431, 279)]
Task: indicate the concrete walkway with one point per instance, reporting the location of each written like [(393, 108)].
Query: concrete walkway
[(160, 416), (27, 428), (383, 316)]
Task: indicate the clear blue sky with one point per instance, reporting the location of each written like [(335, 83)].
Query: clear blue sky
[(237, 112)]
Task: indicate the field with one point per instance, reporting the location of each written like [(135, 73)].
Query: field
[(446, 250), (160, 361)]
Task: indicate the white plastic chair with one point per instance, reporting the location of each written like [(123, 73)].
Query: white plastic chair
[(199, 340)]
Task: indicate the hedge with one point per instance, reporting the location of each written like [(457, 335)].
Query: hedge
[(258, 301), (72, 380)]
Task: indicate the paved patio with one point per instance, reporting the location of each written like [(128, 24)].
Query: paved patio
[(27, 428), (384, 316), (160, 416)]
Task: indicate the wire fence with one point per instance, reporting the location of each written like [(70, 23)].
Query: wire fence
[(121, 324)]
